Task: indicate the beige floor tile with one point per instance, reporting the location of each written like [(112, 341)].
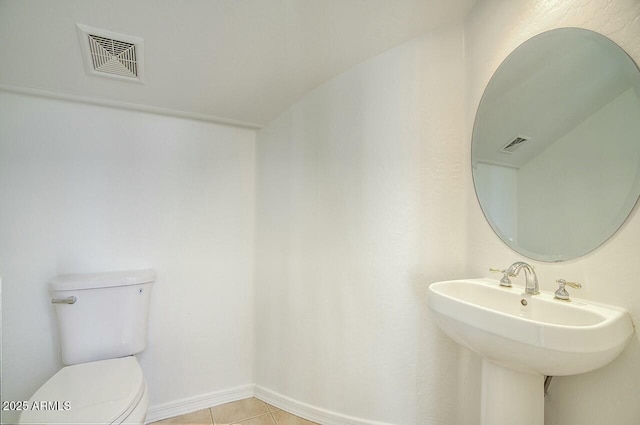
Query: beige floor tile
[(201, 417), (284, 418), (271, 407), (238, 411), (260, 420)]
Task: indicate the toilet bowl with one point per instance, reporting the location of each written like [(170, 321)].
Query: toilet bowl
[(102, 392), (102, 322)]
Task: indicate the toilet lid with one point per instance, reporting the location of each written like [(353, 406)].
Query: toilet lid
[(98, 392)]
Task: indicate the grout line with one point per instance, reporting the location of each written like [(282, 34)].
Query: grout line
[(235, 421), (258, 415), (270, 407), (253, 417)]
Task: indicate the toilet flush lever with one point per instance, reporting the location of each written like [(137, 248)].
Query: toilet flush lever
[(68, 300)]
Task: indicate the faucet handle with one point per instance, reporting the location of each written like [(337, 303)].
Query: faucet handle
[(505, 281), (561, 293)]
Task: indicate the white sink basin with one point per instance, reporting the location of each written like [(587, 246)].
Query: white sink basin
[(546, 336)]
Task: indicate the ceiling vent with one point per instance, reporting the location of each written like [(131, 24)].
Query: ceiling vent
[(514, 144), (111, 55)]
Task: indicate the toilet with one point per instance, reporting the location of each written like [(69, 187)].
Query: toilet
[(102, 321)]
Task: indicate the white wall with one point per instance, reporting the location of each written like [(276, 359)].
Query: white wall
[(87, 188), (358, 210), (493, 29), (359, 187)]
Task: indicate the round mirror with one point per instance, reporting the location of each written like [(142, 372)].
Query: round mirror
[(556, 144)]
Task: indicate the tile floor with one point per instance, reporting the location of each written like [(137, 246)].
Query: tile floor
[(249, 411)]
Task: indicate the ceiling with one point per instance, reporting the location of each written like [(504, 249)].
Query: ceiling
[(236, 61)]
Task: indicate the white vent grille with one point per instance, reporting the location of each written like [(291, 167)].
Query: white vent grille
[(107, 54), (514, 144), (113, 56)]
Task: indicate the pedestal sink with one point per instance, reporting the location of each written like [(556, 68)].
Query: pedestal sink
[(521, 338)]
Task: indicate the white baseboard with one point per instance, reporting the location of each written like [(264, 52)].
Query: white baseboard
[(204, 401), (307, 411), (192, 404)]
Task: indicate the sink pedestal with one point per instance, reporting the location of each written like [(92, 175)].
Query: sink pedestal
[(511, 397)]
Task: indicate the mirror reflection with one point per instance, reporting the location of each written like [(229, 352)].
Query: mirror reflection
[(556, 144)]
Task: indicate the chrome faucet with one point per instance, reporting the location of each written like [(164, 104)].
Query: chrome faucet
[(529, 274)]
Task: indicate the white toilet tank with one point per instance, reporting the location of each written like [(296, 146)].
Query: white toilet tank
[(102, 315)]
